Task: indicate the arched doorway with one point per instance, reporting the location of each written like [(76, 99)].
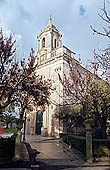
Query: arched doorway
[(39, 119)]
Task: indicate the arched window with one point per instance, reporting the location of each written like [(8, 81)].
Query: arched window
[(43, 42), (55, 43)]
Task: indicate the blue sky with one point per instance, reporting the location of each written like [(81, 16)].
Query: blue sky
[(26, 18)]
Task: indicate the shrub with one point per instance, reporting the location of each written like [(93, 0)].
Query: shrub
[(101, 147), (7, 147), (10, 130)]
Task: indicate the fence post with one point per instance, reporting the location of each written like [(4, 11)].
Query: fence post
[(17, 155), (89, 155)]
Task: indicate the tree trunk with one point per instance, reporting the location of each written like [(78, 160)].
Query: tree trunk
[(103, 127), (7, 125), (65, 126)]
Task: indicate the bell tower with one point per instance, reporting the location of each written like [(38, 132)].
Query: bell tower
[(49, 39), (51, 60)]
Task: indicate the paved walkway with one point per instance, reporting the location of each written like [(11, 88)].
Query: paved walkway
[(56, 156)]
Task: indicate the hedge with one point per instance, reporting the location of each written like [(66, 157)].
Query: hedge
[(101, 147), (77, 142), (7, 148)]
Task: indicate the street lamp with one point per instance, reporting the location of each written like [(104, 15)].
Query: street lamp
[(24, 133)]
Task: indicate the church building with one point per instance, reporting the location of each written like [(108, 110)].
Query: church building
[(51, 55)]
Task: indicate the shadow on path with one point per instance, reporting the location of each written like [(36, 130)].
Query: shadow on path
[(18, 164), (44, 166)]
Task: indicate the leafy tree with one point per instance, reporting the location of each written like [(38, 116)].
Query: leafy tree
[(19, 80), (70, 115), (64, 114), (7, 119), (88, 90), (96, 104)]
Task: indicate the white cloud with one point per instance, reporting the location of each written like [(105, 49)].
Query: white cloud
[(18, 37)]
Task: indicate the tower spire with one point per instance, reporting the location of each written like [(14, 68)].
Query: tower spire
[(50, 20)]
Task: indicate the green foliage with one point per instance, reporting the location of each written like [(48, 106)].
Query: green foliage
[(89, 121), (93, 107), (76, 109), (102, 151), (101, 147), (70, 115), (19, 120), (63, 112), (7, 118), (68, 112), (96, 104), (10, 130)]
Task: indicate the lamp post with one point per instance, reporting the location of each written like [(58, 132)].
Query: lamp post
[(24, 133)]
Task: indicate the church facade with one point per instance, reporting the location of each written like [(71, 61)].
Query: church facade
[(50, 57)]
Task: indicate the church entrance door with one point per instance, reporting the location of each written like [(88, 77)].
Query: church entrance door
[(39, 119)]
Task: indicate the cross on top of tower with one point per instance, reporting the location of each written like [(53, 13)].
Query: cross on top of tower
[(50, 20)]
